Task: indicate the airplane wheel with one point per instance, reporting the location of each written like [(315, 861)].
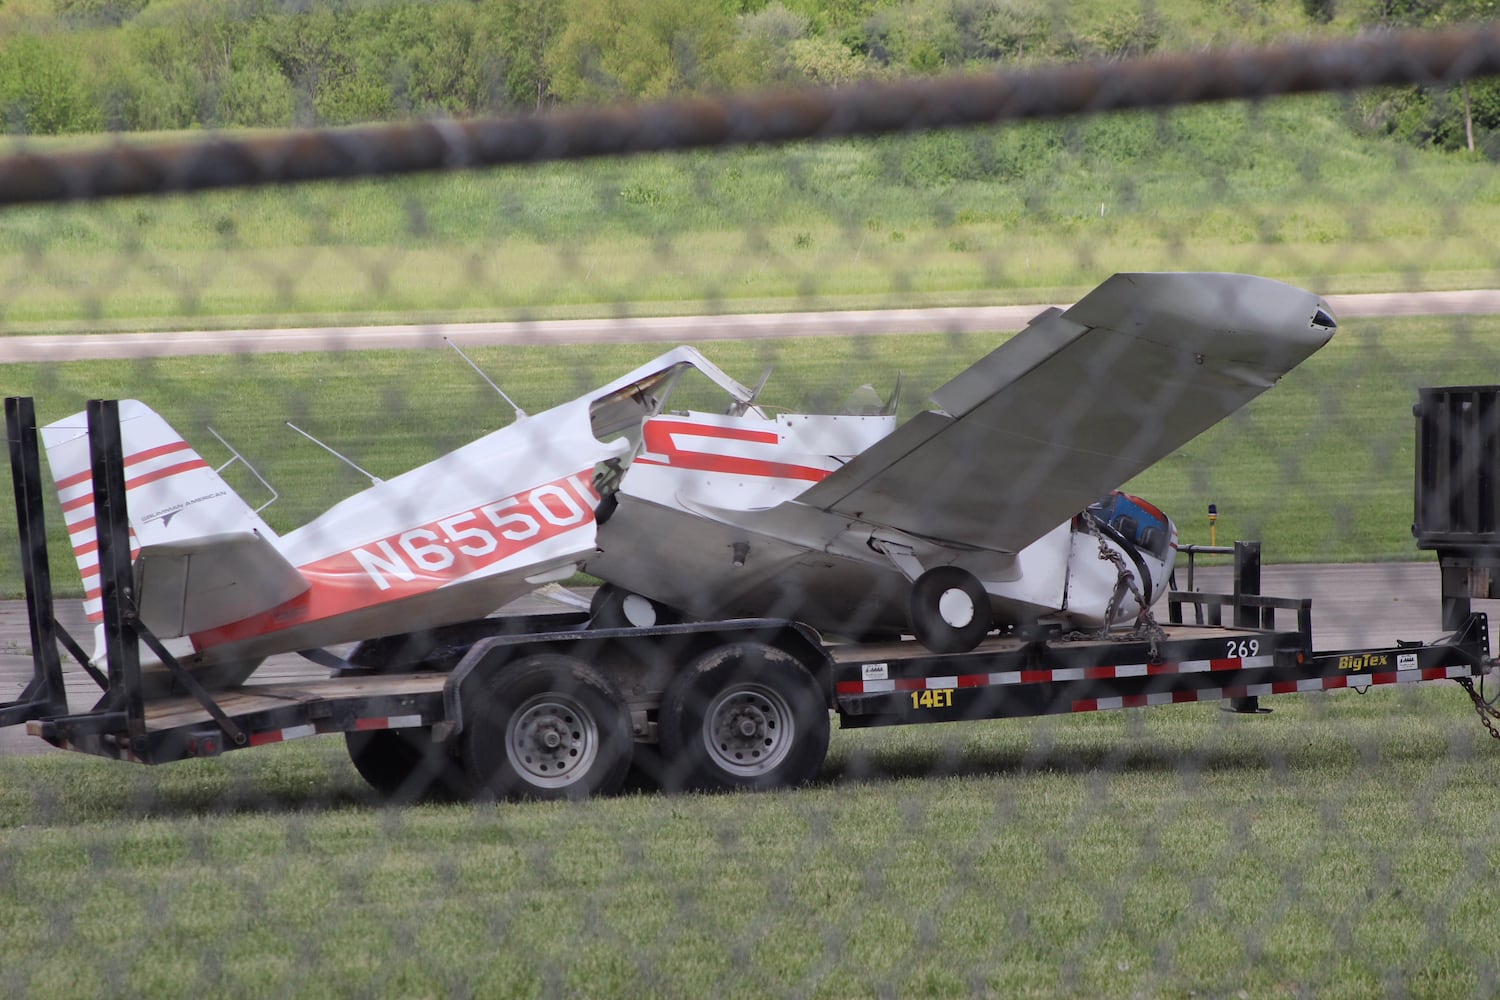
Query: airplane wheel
[(950, 612), (743, 716), (547, 727), (405, 765), (615, 607)]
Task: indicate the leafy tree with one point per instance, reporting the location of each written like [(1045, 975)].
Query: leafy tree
[(186, 63), (616, 49), (1439, 116), (314, 51), (43, 88), (766, 38), (826, 61), (524, 32), (99, 13), (1015, 29)]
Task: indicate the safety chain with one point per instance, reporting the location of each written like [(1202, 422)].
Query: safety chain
[(1487, 712), (1146, 628)]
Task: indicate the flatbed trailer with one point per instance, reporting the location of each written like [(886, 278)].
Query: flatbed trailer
[(546, 706)]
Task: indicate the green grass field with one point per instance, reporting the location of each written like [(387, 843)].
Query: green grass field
[(1341, 846), (1026, 213)]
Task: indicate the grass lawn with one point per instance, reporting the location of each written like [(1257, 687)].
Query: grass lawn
[(1023, 213), (1339, 846)]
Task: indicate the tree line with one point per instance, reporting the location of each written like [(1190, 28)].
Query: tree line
[(73, 66)]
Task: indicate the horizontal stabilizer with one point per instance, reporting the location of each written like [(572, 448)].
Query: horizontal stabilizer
[(211, 580), (1078, 403)]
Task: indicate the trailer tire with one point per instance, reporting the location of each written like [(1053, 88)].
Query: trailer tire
[(950, 611), (743, 716), (616, 607), (547, 727), (406, 765)]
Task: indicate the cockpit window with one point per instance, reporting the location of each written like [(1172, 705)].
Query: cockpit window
[(1138, 522)]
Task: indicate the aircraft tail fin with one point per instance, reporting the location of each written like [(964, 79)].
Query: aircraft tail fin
[(200, 550)]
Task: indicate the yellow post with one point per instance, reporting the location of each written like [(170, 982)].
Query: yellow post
[(1213, 531)]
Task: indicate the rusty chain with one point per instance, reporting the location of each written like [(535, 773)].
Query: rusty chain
[(1146, 627), (1487, 712)]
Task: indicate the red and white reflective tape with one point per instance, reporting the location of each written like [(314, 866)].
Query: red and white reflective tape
[(121, 751), (1359, 682), (311, 729), (1060, 674)]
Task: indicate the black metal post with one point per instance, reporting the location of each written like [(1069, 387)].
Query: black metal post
[(116, 582), (1246, 584), (45, 694)]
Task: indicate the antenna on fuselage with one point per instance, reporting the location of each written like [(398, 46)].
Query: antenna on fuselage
[(246, 463), (740, 406), (374, 479), (520, 413)]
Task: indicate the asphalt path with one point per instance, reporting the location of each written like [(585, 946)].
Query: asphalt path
[(669, 329), (1354, 606)]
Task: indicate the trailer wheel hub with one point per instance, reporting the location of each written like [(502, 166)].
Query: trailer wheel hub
[(748, 729), (552, 739)]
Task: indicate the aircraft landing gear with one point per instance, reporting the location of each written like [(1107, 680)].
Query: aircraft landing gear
[(949, 609), (615, 607)]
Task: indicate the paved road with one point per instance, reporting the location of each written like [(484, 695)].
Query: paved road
[(1353, 605), (673, 329)]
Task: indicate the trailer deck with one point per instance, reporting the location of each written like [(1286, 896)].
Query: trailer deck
[(875, 684)]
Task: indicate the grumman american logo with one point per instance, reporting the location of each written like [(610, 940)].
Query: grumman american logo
[(166, 514)]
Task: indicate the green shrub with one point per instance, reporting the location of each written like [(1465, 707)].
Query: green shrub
[(44, 87)]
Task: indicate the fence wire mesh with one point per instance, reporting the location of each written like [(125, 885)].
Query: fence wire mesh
[(864, 244)]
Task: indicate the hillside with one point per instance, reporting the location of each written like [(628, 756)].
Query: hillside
[(71, 66)]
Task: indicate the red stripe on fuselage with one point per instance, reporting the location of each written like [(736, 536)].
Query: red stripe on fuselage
[(659, 440), (423, 558)]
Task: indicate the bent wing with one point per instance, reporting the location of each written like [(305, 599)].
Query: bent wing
[(1076, 404), (188, 586)]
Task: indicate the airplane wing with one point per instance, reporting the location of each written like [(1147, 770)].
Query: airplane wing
[(1076, 404), (210, 580)]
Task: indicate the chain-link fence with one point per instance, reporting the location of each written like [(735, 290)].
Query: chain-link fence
[(844, 559)]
